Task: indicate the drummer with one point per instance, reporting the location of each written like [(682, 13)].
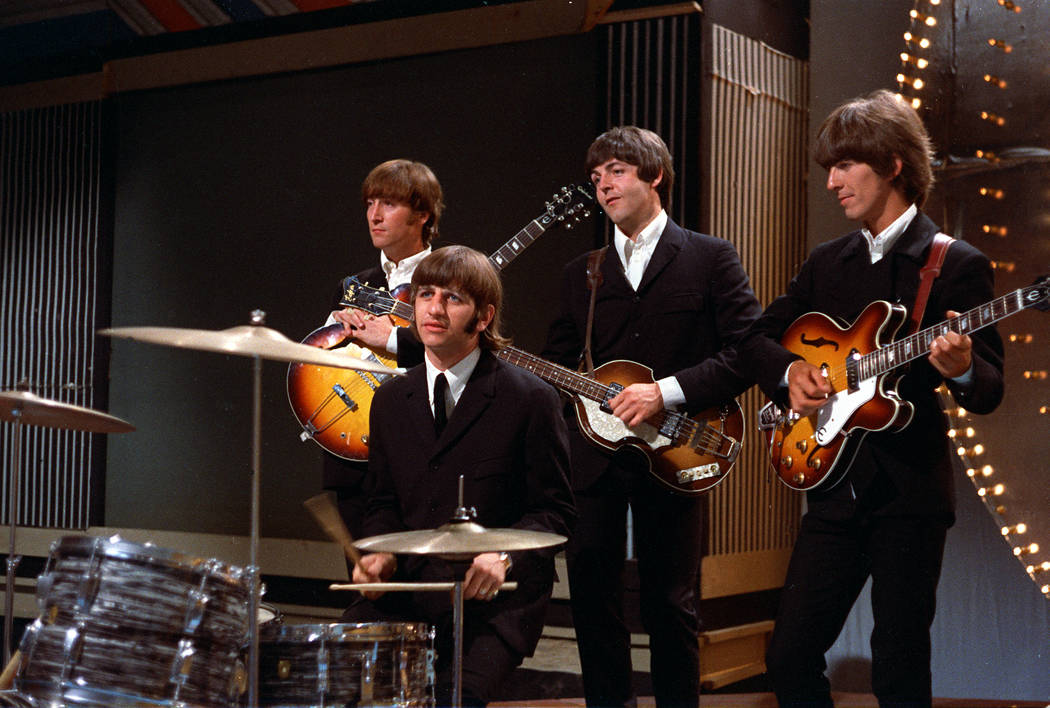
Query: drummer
[(502, 429)]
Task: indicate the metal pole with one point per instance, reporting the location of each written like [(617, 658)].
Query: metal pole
[(457, 655), (12, 559), (253, 570)]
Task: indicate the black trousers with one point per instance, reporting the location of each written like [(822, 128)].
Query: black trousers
[(667, 536), (829, 566)]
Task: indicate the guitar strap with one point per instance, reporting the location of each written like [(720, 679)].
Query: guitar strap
[(594, 281), (927, 275)]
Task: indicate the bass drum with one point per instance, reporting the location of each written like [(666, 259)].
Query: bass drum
[(128, 624), (379, 664)]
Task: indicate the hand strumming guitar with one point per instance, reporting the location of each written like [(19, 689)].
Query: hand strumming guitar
[(808, 387), (365, 327)]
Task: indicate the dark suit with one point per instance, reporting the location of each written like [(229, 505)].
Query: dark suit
[(345, 477), (692, 304), (507, 437), (889, 516)]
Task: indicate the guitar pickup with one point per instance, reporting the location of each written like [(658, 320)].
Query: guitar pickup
[(614, 390)]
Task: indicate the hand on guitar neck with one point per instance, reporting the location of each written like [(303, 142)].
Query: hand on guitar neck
[(951, 352)]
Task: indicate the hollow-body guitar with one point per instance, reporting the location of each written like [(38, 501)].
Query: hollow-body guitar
[(861, 362), (688, 455)]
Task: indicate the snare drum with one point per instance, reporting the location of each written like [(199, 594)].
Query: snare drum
[(128, 624), (376, 664)]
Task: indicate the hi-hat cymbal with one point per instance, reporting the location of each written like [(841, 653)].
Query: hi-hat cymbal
[(248, 340), (459, 540), (31, 409)]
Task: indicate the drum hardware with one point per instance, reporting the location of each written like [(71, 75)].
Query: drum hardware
[(408, 587), (458, 542), (259, 342), (24, 408)]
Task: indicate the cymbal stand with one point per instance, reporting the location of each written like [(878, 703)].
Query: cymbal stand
[(258, 317), (460, 565), (12, 509)]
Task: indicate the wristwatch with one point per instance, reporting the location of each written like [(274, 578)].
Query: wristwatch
[(504, 558)]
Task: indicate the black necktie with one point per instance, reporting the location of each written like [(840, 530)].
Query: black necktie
[(440, 407)]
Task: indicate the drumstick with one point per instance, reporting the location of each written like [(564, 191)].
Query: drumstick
[(395, 587), (327, 515), (7, 678)]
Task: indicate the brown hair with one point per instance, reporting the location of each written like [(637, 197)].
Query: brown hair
[(639, 147), (411, 183), (875, 129), (472, 273)]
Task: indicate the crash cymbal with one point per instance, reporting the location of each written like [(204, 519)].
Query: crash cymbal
[(31, 409), (248, 340), (459, 541)]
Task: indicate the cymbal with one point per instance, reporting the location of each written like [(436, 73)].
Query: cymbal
[(248, 340), (33, 410), (459, 541)]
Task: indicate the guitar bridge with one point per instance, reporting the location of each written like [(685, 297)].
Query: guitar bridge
[(695, 474)]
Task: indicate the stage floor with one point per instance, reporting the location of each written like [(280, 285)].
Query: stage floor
[(766, 700)]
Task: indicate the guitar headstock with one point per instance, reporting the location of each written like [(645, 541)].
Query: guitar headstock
[(1037, 295), (570, 205), (364, 297)]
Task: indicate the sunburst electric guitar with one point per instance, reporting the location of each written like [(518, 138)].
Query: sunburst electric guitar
[(687, 455), (332, 405), (860, 363)]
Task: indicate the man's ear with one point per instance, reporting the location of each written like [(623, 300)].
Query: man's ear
[(657, 179), (485, 318)]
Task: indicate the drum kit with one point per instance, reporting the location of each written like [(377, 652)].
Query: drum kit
[(130, 624)]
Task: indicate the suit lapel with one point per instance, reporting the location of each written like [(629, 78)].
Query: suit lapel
[(666, 250), (480, 390), (417, 403)]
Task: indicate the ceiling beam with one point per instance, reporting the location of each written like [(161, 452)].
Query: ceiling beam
[(426, 34)]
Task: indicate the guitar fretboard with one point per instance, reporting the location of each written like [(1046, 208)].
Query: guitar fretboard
[(916, 345), (682, 429), (562, 377), (506, 253)]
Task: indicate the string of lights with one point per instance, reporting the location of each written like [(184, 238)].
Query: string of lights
[(992, 486)]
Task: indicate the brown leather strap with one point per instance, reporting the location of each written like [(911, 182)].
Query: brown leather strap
[(927, 275), (594, 281)]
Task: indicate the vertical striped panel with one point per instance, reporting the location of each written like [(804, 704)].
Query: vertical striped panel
[(652, 80), (49, 226), (755, 164)]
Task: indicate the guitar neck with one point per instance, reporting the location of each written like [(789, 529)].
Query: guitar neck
[(506, 253), (917, 345), (560, 376)]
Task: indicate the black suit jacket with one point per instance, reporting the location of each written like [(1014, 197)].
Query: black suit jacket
[(839, 280), (693, 304), (346, 477), (507, 437)]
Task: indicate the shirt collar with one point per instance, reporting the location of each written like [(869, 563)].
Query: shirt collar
[(401, 272), (646, 241), (880, 245), (457, 375)]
